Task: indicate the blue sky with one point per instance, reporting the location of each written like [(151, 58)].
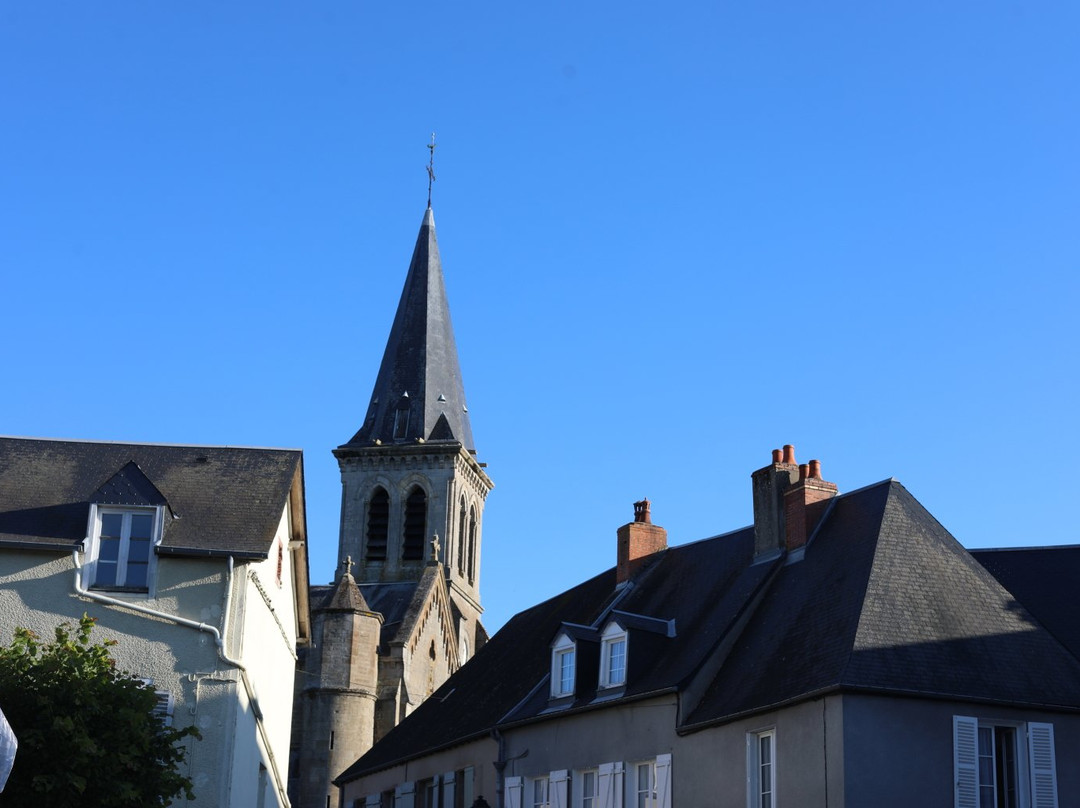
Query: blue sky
[(673, 238)]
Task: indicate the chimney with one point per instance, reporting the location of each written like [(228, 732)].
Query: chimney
[(769, 485), (805, 502), (638, 541)]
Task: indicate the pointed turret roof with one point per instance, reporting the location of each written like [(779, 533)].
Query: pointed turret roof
[(420, 376)]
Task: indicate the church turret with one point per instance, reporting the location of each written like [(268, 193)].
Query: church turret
[(338, 691)]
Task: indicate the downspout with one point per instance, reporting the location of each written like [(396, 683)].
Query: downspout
[(500, 768), (219, 641)]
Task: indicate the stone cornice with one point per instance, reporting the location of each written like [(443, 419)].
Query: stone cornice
[(416, 456)]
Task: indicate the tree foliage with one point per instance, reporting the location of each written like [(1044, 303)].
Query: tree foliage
[(87, 732)]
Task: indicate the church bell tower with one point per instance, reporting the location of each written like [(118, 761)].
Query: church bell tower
[(410, 472)]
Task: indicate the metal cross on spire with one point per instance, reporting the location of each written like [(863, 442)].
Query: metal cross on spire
[(430, 168)]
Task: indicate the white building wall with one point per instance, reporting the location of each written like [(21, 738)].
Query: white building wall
[(37, 591)]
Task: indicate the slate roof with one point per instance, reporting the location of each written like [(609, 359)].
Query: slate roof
[(219, 500), (420, 372), (884, 600), (1044, 579)]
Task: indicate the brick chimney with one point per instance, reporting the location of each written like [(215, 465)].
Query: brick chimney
[(638, 541), (805, 502), (769, 485), (789, 499)]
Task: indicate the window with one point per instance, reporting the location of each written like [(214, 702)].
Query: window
[(1001, 764), (761, 768), (589, 796), (613, 656), (644, 795), (401, 418), (538, 793), (563, 662), (121, 548), (378, 523), (471, 560), (461, 538), (415, 525)]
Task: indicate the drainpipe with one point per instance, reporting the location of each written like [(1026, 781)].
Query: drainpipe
[(219, 641), (500, 768)]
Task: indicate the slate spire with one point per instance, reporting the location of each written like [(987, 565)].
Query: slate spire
[(419, 393)]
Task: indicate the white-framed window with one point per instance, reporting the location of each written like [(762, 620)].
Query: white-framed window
[(537, 793), (643, 793), (761, 769), (613, 650), (121, 552), (586, 785), (1003, 764), (563, 666)]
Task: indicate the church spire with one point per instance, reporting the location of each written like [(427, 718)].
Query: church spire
[(419, 393)]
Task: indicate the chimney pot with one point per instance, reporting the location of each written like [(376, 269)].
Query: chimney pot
[(789, 454), (777, 456), (804, 471), (815, 469), (643, 511)]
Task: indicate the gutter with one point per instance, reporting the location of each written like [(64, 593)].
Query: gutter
[(219, 641)]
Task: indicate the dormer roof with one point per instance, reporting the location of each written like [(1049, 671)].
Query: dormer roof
[(419, 393)]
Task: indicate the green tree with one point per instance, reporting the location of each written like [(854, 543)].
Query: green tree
[(87, 732)]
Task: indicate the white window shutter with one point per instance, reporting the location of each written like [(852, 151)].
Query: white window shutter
[(449, 783), (1043, 768), (605, 789), (559, 789), (663, 781), (617, 770), (405, 795), (965, 761), (373, 801), (514, 792)]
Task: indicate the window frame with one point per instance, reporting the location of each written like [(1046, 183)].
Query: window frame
[(1034, 759), (93, 551), (651, 798), (578, 786), (612, 636), (755, 788), (564, 647), (538, 792)]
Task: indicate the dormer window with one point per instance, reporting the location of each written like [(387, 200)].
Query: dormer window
[(563, 666), (613, 656), (121, 548)]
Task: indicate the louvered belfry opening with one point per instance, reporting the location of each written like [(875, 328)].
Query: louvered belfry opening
[(415, 525), (378, 524)]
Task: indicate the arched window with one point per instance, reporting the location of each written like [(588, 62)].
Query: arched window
[(461, 538), (378, 520), (472, 545), (415, 525)]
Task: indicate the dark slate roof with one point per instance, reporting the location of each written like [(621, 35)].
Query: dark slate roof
[(1044, 579), (883, 600), (219, 500), (344, 596), (886, 600), (477, 697), (420, 370)]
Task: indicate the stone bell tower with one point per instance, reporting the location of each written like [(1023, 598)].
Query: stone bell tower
[(411, 469), (404, 610)]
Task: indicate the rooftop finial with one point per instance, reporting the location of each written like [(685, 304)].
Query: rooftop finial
[(430, 168), (348, 565)]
